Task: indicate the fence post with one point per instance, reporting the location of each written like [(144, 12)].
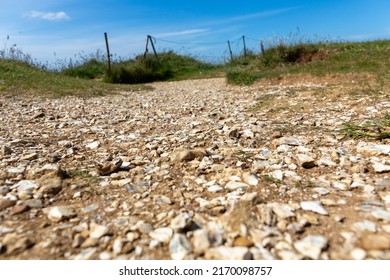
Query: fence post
[(243, 40), (108, 54), (146, 47), (230, 51), (262, 47), (154, 49)]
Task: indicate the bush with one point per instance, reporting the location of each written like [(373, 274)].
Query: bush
[(147, 69), (90, 69), (139, 71)]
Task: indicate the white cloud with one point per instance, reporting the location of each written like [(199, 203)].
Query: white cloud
[(182, 33), (57, 16)]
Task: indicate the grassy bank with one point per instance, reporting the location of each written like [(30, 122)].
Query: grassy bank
[(319, 59), (90, 76)]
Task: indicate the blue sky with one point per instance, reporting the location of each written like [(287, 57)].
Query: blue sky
[(59, 29)]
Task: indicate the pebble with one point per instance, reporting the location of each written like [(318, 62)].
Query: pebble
[(228, 253), (60, 213), (305, 161), (311, 246), (97, 231), (314, 206), (201, 241), (179, 247), (5, 203), (381, 214), (375, 242), (163, 235), (381, 168), (93, 145), (232, 185)]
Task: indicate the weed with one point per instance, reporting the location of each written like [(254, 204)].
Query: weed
[(271, 179), (83, 174), (378, 128), (244, 155)]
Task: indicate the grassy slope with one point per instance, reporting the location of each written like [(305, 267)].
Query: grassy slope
[(21, 78), (338, 58)]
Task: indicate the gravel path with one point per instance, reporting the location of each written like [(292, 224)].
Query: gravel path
[(195, 170)]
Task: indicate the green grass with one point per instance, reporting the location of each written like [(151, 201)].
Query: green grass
[(319, 59), (377, 128), (18, 77), (168, 66), (88, 76)]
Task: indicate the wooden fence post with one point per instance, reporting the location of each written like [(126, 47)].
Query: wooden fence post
[(108, 54), (262, 47), (230, 51), (146, 46), (243, 40), (154, 49)]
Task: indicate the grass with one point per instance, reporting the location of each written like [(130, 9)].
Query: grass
[(87, 75), (377, 128), (20, 77), (166, 66), (83, 174), (317, 59)]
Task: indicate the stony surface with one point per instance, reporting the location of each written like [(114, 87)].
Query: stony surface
[(195, 170)]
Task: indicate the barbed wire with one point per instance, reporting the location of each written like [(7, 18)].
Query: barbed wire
[(187, 43)]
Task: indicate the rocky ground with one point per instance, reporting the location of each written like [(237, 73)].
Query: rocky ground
[(197, 170)]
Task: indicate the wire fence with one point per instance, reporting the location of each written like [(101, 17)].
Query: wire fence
[(216, 51)]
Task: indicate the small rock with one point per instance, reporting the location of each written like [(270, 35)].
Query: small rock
[(364, 226), (163, 234), (189, 155), (242, 242), (98, 231), (109, 167), (250, 179), (180, 221), (374, 150), (311, 246), (19, 245), (16, 170), (228, 253), (215, 188), (5, 151), (381, 214), (20, 208), (93, 146), (162, 199), (50, 185), (277, 174), (26, 186), (232, 185), (5, 203), (283, 211), (30, 156), (60, 213), (314, 206), (179, 247), (381, 168), (305, 161), (358, 254), (117, 245), (90, 208), (200, 241), (38, 115), (85, 254), (375, 242)]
